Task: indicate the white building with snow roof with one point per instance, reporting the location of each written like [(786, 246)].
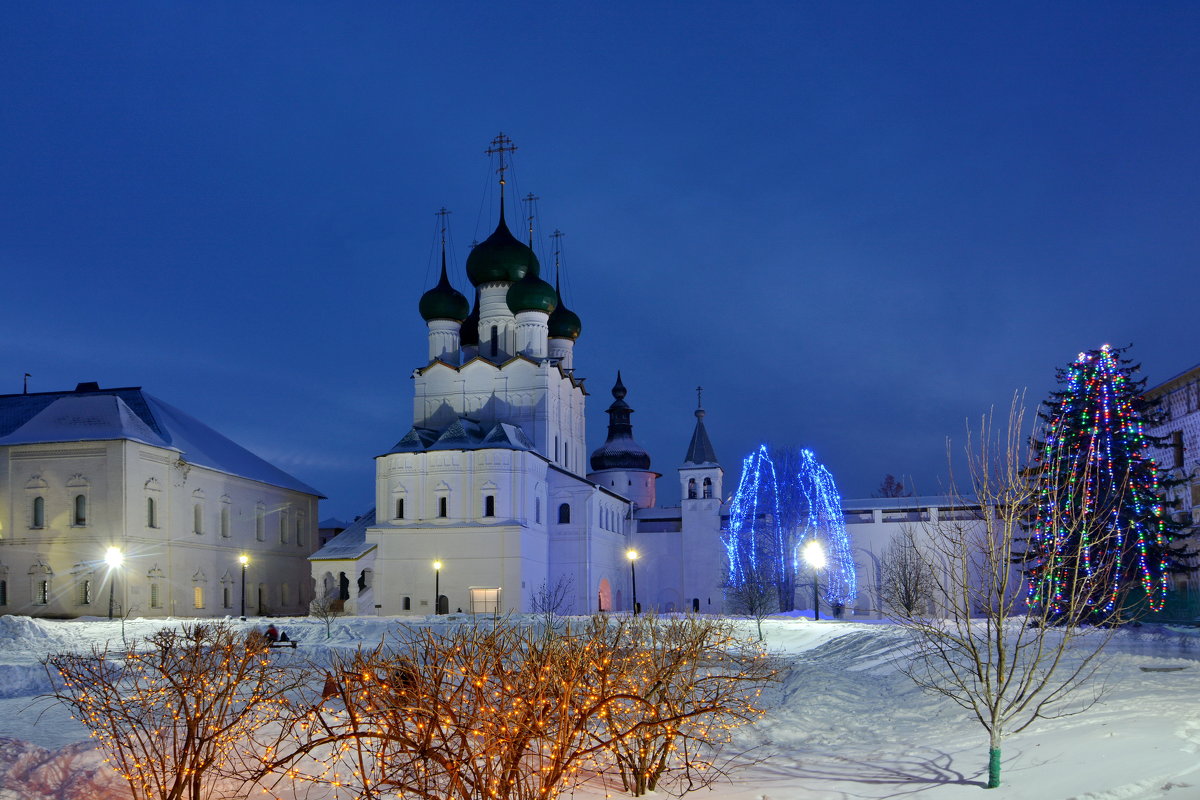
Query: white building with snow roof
[(85, 471)]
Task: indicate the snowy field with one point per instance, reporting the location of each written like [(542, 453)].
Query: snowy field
[(842, 722)]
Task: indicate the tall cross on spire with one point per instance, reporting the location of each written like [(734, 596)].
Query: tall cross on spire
[(699, 393), (501, 145), (443, 212), (557, 237), (531, 200)]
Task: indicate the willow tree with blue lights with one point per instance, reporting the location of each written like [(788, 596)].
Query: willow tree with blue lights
[(1102, 534), (785, 499)]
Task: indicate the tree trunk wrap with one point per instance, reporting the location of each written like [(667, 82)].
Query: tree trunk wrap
[(993, 768)]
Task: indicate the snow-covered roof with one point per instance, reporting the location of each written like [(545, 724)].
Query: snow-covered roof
[(464, 434), (93, 414), (350, 544)]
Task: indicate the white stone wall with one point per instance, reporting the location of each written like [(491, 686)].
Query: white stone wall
[(166, 559)]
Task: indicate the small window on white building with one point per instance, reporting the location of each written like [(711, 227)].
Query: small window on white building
[(485, 600), (38, 517), (564, 514), (151, 512), (299, 531), (260, 522), (707, 488), (691, 488), (226, 596), (41, 591), (537, 509), (226, 519), (3, 592), (197, 519), (399, 508), (443, 506), (85, 592), (197, 597), (79, 518), (489, 506), (283, 526), (285, 594)]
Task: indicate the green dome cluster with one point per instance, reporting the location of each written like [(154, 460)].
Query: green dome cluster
[(501, 257)]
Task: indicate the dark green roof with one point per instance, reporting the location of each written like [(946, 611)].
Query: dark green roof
[(500, 257), (531, 293), (444, 301), (563, 323)]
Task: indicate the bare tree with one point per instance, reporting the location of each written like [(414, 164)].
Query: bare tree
[(906, 580), (891, 487), (1005, 662), (756, 597), (175, 718), (322, 608), (551, 601)]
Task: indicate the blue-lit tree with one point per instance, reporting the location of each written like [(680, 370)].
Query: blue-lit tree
[(785, 499)]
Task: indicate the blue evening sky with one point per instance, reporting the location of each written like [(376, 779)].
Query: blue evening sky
[(856, 224)]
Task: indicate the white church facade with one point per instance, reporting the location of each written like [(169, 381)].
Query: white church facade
[(491, 499)]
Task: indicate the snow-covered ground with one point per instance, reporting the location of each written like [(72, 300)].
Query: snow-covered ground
[(843, 722)]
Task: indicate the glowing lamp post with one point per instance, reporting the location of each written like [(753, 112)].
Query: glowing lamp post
[(244, 560), (632, 555), (114, 558), (437, 587), (814, 556)]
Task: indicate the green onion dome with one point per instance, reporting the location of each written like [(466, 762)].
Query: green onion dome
[(500, 257), (563, 323), (531, 293), (444, 301), (468, 334)]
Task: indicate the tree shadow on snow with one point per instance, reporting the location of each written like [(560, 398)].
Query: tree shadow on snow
[(909, 775)]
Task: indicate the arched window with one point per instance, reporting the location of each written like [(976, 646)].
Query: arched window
[(155, 595), (691, 488), (226, 596), (564, 513), (260, 522), (537, 509), (80, 509), (197, 597), (443, 507), (198, 522), (85, 592), (282, 527), (408, 604), (489, 506), (151, 513), (225, 532), (39, 513), (3, 592), (707, 488), (399, 508), (299, 531), (41, 591), (495, 341)]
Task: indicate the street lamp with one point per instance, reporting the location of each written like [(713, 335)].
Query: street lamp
[(114, 559), (814, 556), (437, 587), (243, 559), (632, 555)]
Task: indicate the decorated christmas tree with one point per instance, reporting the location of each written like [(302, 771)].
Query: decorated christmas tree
[(1103, 542)]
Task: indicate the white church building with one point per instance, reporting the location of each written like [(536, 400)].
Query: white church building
[(491, 498)]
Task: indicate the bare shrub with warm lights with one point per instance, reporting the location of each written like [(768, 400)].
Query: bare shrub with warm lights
[(690, 683), (501, 711), (183, 715)]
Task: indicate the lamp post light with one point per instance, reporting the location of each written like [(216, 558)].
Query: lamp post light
[(632, 555), (814, 556), (437, 587), (243, 559), (114, 558)]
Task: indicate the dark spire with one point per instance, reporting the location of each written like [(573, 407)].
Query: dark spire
[(700, 450), (620, 451)]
